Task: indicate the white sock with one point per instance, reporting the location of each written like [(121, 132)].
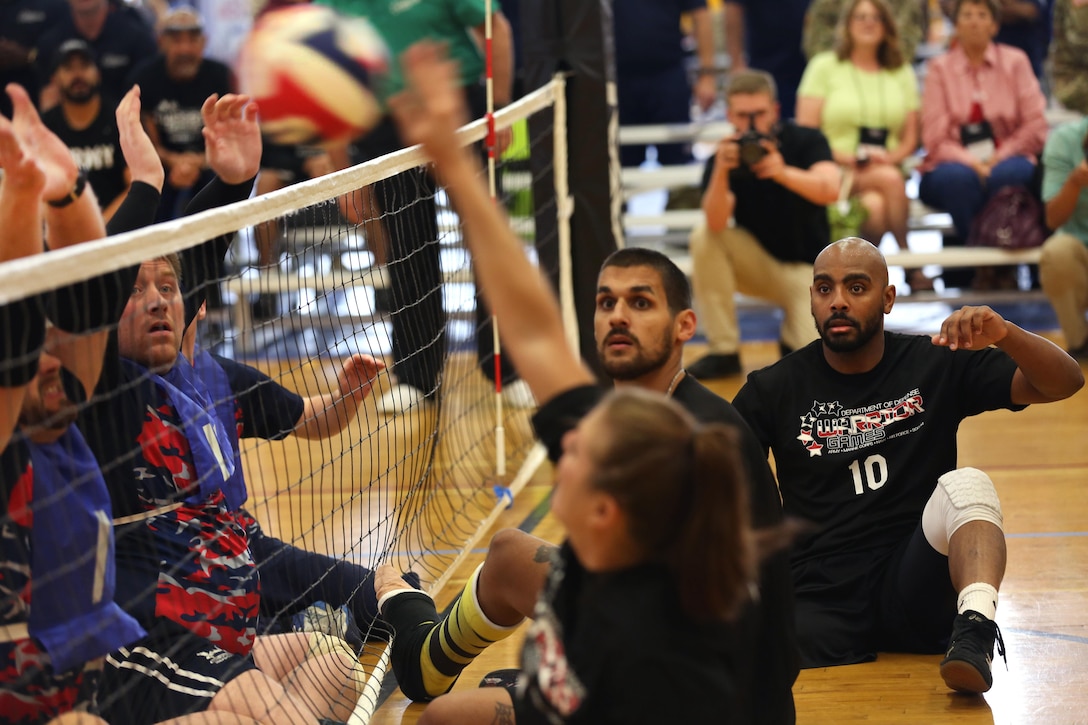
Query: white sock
[(980, 597)]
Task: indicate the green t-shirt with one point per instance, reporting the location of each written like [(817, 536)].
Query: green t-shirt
[(854, 98), (1064, 151), (405, 22)]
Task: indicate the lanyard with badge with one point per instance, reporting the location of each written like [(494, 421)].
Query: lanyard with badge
[(871, 139), (977, 136)]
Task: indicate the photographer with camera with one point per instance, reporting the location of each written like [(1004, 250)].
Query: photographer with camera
[(775, 181), (1063, 268)]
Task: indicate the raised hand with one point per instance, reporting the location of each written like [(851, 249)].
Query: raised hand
[(232, 138), (143, 161), (38, 142), (357, 376), (22, 176), (971, 328)]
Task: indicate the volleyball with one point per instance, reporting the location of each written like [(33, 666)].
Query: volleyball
[(316, 76)]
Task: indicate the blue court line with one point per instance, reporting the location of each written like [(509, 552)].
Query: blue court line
[(1048, 635)]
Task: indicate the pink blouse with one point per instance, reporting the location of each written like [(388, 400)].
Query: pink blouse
[(1006, 89)]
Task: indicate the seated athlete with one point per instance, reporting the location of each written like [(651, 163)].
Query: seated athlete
[(636, 551), (185, 571), (252, 405), (909, 551)]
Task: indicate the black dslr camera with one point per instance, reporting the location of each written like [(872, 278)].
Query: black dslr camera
[(750, 144)]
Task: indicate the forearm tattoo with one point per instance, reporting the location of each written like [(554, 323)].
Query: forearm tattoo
[(504, 714), (543, 554)]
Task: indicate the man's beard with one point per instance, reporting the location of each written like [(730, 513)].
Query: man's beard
[(645, 361), (36, 416), (80, 95), (184, 68), (864, 332)]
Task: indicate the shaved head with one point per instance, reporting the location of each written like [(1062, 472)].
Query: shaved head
[(857, 253), (850, 296)]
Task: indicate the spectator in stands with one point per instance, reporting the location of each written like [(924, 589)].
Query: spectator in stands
[(174, 85), (22, 22), (776, 180), (822, 25), (767, 36), (118, 33), (405, 202), (1023, 24), (86, 124), (863, 95), (983, 122), (1069, 54), (651, 70), (1063, 269)]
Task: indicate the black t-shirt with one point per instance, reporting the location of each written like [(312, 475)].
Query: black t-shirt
[(788, 226), (585, 657), (859, 455), (265, 409), (96, 149), (175, 106)]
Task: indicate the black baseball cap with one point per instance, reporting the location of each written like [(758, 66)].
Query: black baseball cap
[(71, 47)]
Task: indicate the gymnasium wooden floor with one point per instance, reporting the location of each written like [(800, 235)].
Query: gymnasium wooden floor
[(1038, 459)]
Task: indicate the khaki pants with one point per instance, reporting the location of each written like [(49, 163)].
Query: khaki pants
[(732, 261), (1063, 272)]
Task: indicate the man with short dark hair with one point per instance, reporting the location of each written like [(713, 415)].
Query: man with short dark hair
[(86, 124), (774, 180), (174, 85), (119, 34)]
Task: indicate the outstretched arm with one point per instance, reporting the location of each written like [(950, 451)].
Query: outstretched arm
[(1045, 372), (23, 322), (232, 143), (79, 308), (429, 113), (326, 415)]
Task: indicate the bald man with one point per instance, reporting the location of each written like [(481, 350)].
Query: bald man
[(909, 550)]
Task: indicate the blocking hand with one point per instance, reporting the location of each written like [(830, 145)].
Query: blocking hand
[(232, 138)]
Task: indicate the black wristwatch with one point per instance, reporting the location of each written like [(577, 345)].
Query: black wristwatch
[(75, 193)]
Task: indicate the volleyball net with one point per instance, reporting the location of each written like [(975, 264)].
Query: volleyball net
[(369, 260)]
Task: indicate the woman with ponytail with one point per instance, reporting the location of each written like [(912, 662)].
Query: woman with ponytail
[(633, 624)]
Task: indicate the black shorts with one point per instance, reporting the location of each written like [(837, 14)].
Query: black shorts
[(851, 607), (165, 675)]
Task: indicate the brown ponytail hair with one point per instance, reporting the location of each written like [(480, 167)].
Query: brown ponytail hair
[(681, 486)]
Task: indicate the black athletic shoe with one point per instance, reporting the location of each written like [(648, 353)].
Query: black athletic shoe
[(714, 366), (506, 679), (966, 665)]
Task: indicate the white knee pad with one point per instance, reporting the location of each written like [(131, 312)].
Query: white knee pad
[(962, 495)]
